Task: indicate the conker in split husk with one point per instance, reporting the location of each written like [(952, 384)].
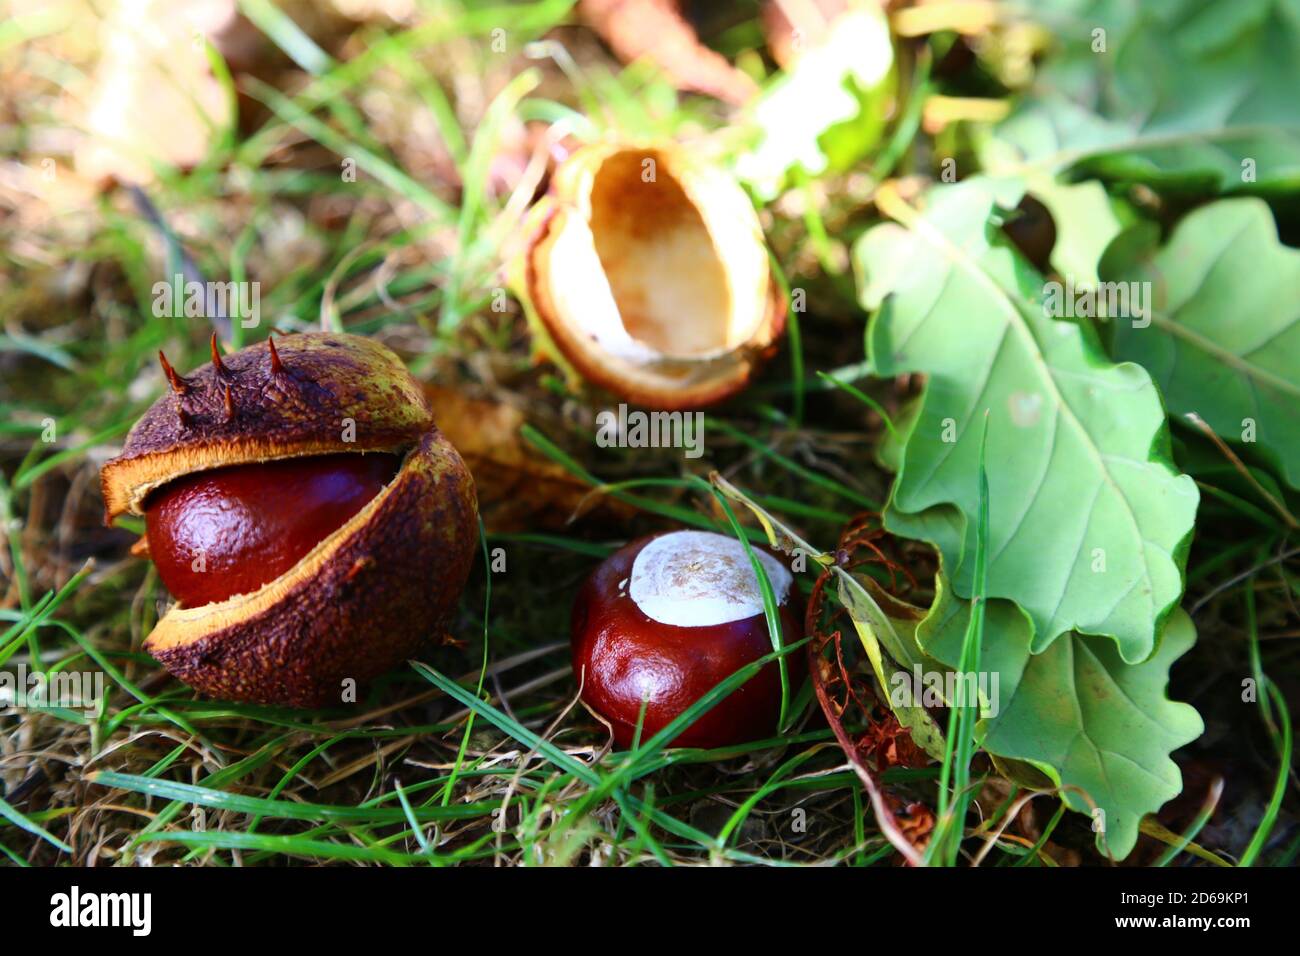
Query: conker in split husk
[(312, 523), (668, 617)]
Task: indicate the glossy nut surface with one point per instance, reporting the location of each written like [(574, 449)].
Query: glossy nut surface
[(626, 646), (229, 531)]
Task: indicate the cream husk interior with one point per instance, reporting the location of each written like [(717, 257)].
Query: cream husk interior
[(673, 267), (182, 625)]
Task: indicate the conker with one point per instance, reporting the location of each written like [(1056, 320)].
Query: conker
[(313, 523), (231, 530), (668, 617)]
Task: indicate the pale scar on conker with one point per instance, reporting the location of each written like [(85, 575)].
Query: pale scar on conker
[(313, 524)]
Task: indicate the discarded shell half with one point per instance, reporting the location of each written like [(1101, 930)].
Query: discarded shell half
[(646, 274)]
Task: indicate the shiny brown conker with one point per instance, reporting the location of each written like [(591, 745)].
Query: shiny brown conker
[(228, 531), (668, 617)]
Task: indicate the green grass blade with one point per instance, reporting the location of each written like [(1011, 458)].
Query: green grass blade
[(22, 823)]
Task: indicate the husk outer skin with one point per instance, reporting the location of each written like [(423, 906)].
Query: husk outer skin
[(325, 381)]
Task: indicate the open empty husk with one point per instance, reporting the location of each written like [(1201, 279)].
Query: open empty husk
[(647, 274)]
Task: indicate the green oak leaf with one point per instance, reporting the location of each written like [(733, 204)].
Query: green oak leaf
[(1090, 522), (1063, 136), (1097, 726), (1224, 335), (889, 451), (1185, 95)]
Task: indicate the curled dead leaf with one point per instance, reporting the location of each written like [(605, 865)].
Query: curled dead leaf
[(847, 695)]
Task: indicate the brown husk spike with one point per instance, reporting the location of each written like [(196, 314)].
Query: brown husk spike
[(216, 356), (276, 365), (178, 384)]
